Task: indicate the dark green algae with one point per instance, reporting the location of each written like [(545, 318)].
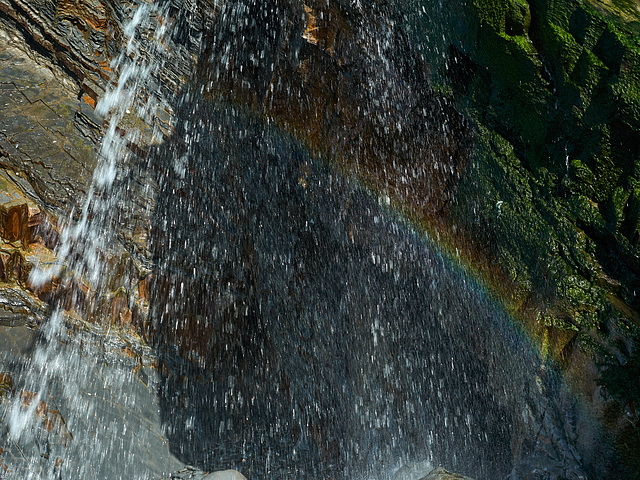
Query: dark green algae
[(552, 192)]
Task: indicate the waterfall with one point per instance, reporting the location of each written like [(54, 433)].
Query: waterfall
[(296, 324), (67, 364)]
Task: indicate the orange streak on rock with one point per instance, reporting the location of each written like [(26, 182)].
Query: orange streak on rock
[(90, 101)]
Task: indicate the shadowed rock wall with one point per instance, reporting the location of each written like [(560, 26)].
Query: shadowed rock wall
[(550, 195), (534, 182)]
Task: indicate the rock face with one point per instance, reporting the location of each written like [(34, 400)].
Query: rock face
[(346, 82), (551, 194), (225, 475), (191, 473), (268, 305), (46, 133), (552, 85), (508, 129), (442, 474), (112, 393)]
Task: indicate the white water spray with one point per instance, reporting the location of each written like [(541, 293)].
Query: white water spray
[(83, 253)]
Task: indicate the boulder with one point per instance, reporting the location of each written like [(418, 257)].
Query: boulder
[(224, 475), (413, 471), (442, 474), (192, 473)]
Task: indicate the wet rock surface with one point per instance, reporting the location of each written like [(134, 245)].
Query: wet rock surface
[(47, 135), (294, 255), (112, 394), (48, 151), (195, 474), (442, 474), (552, 89), (344, 80), (339, 329)]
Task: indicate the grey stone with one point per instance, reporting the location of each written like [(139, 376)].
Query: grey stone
[(37, 143), (44, 115), (17, 75), (442, 474), (192, 473), (33, 92), (413, 471), (110, 401), (14, 124), (225, 475)]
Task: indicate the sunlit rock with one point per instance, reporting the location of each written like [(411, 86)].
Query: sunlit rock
[(224, 475), (19, 215), (6, 384), (14, 219), (442, 474)]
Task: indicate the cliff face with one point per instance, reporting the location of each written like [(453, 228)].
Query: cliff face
[(508, 129), (544, 204), (551, 194), (553, 90)]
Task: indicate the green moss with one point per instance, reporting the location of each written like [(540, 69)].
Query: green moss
[(511, 59), (630, 78), (584, 183), (584, 301), (627, 91), (616, 205), (586, 27), (588, 73), (579, 253), (607, 177), (558, 81), (518, 18), (631, 212), (493, 12), (557, 12), (511, 17), (519, 99), (626, 10), (583, 211), (553, 189), (562, 50), (510, 200), (524, 44)]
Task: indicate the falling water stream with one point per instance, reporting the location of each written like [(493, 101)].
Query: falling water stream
[(64, 368), (298, 326)]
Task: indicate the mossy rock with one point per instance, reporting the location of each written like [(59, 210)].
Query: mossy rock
[(626, 91), (493, 13), (561, 49), (581, 179), (587, 74), (518, 18), (586, 27), (519, 99), (561, 91), (553, 191), (506, 16)]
